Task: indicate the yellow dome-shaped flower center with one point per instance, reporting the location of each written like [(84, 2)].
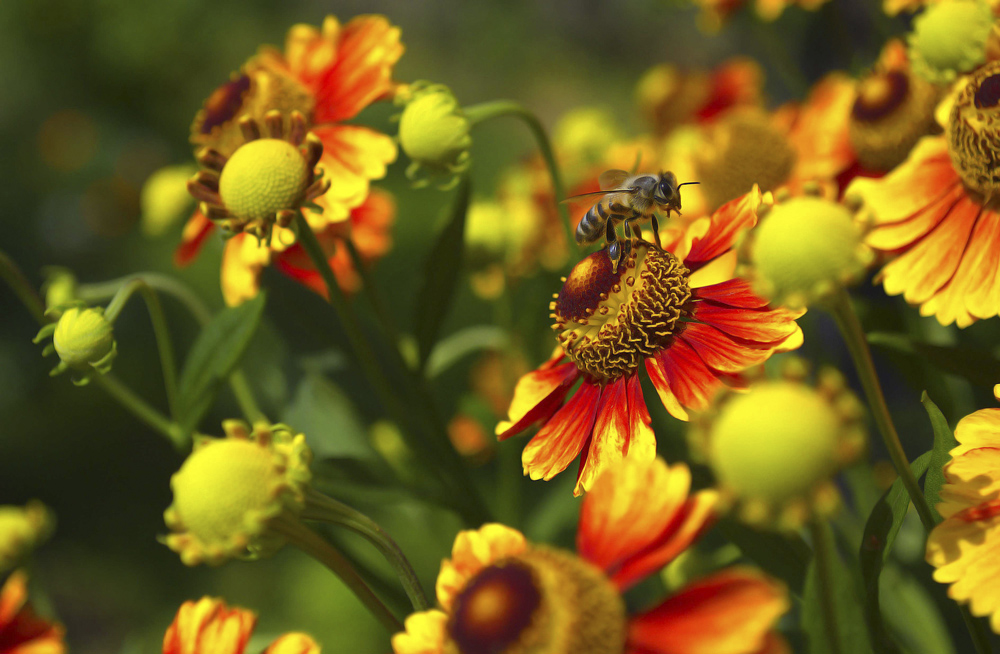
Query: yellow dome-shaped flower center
[(608, 322), (743, 150), (262, 178), (974, 131), (542, 601)]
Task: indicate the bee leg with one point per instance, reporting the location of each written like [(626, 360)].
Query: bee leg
[(636, 230), (617, 252), (611, 236), (656, 231)]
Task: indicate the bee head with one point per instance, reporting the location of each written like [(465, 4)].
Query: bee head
[(666, 191)]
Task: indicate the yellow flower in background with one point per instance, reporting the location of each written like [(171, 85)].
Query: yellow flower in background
[(949, 38), (22, 529), (208, 626), (965, 548)]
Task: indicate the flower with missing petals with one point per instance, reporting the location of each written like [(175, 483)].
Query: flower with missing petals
[(500, 593)]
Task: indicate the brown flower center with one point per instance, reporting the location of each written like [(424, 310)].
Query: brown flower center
[(543, 601), (892, 111), (608, 323), (742, 150), (974, 132)]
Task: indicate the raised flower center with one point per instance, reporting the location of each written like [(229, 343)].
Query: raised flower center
[(974, 133), (262, 178), (542, 601), (608, 323)]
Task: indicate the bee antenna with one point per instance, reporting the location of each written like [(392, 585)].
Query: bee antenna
[(686, 183)]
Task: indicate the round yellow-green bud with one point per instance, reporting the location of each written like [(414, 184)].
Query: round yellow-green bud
[(949, 38), (263, 177), (85, 339), (22, 529), (434, 131), (165, 198), (804, 249), (230, 491)]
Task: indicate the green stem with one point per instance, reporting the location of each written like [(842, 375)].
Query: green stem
[(854, 337), (823, 559), (164, 344), (315, 546), (11, 273), (142, 410), (371, 292), (488, 110), (237, 380), (435, 451), (326, 509), (980, 639)]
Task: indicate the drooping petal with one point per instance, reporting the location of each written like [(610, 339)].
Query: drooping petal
[(760, 326), (208, 626), (610, 439), (730, 612), (537, 396), (658, 375), (347, 68), (902, 234), (21, 630), (352, 156), (563, 437), (638, 517), (474, 550), (641, 444), (725, 225), (243, 259), (293, 643), (690, 380), (425, 634), (196, 230), (723, 353), (735, 292)]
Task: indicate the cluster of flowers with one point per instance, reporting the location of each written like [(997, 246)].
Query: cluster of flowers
[(895, 170)]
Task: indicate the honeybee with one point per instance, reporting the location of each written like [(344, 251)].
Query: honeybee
[(628, 198)]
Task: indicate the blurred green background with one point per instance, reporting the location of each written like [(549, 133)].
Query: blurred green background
[(97, 95)]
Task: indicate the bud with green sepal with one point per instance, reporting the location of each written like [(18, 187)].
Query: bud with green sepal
[(434, 134), (83, 338)]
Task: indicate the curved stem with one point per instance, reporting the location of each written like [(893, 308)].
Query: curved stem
[(142, 410), (164, 344), (487, 110), (823, 560), (326, 509), (315, 546), (854, 337), (11, 273), (370, 291)]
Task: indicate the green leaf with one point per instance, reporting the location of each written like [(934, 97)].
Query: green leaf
[(944, 442), (880, 533), (441, 272), (328, 418), (215, 353), (451, 349), (978, 366), (912, 615), (783, 556), (850, 620)]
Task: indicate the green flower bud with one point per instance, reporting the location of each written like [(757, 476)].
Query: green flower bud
[(949, 38), (434, 133), (165, 198), (59, 289), (84, 340)]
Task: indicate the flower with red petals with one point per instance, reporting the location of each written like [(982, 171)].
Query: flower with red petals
[(208, 626), (679, 311), (500, 593), (21, 631)]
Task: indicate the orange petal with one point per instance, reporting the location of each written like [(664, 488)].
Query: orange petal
[(730, 612), (371, 225), (641, 444), (691, 381), (658, 375), (563, 437), (21, 631), (208, 626), (537, 396), (611, 436), (734, 292), (352, 156), (720, 352), (293, 643), (425, 634), (726, 224), (638, 517), (243, 260), (761, 326), (474, 550), (820, 133), (902, 234), (925, 176), (196, 230)]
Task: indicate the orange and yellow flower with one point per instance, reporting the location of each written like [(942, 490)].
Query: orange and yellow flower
[(21, 631), (680, 311), (964, 547), (328, 75), (501, 593), (935, 214), (208, 626)]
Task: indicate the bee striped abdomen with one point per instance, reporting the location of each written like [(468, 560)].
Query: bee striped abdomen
[(592, 225)]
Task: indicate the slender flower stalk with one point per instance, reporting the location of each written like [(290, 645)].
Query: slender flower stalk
[(371, 292), (11, 273), (487, 110), (142, 410), (854, 337), (824, 562), (323, 508)]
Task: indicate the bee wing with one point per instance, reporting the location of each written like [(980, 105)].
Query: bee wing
[(584, 195), (610, 180)]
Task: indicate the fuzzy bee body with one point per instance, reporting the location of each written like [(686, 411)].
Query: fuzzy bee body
[(628, 199)]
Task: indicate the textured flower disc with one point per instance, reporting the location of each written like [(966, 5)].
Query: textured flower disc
[(542, 601), (892, 111), (262, 178), (608, 323), (974, 133)]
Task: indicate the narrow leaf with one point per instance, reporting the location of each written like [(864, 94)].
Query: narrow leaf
[(880, 533), (944, 442), (451, 349), (441, 272), (978, 366), (215, 353), (329, 420)]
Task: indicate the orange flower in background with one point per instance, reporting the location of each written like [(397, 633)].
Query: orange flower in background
[(501, 593), (208, 626), (21, 631), (964, 548), (933, 215), (715, 13), (680, 311)]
